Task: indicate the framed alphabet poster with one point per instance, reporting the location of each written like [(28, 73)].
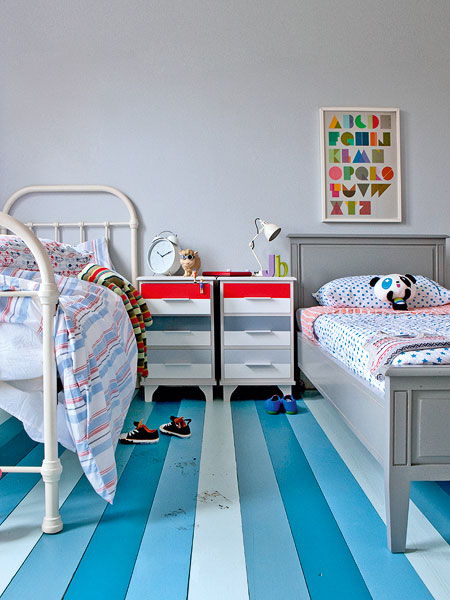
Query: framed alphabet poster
[(361, 178)]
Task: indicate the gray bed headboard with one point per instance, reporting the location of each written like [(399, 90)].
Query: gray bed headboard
[(316, 259)]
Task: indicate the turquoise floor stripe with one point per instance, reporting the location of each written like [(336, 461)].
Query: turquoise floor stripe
[(327, 563), (163, 562), (8, 430), (81, 514), (107, 565), (386, 575), (270, 552)]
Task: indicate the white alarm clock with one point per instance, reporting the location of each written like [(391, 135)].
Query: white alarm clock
[(163, 255)]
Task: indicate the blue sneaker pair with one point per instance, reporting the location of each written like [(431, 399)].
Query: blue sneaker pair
[(273, 405)]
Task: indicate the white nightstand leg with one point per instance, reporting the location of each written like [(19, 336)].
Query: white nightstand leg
[(285, 389), (149, 391), (227, 391), (208, 391)]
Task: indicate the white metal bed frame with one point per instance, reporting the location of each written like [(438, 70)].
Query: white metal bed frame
[(48, 295), (133, 223)]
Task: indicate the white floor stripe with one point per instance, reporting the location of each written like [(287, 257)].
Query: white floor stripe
[(22, 529), (430, 555), (218, 561), (4, 416)]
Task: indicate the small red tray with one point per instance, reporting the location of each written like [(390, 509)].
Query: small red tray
[(227, 273)]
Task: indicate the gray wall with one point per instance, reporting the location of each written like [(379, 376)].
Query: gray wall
[(206, 112)]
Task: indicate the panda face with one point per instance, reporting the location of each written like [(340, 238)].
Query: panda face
[(394, 286)]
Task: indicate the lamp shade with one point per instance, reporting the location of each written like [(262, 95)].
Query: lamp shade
[(270, 230)]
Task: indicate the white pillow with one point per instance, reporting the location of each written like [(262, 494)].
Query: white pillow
[(356, 291), (99, 249)]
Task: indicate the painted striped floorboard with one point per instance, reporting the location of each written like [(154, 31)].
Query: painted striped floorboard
[(253, 505)]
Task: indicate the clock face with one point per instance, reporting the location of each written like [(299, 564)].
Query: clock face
[(161, 256)]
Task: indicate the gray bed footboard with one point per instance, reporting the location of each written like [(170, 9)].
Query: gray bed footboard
[(417, 438), (407, 430)]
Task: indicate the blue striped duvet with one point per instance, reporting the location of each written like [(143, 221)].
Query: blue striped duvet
[(96, 357)]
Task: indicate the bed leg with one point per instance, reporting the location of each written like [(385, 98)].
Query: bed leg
[(51, 474), (397, 490)]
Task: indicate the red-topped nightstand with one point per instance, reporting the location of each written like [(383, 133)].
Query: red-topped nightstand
[(181, 339)]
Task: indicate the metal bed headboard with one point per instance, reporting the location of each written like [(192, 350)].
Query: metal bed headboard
[(133, 223)]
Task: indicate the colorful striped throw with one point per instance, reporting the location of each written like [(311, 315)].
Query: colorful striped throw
[(135, 305)]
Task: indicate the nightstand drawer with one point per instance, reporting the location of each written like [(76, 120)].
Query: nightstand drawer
[(180, 371), (257, 364), (181, 363), (257, 331), (178, 306), (180, 330), (256, 289), (256, 305), (177, 298), (179, 338), (175, 290)]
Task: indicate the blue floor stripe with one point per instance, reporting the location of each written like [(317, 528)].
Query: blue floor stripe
[(107, 564), (270, 553), (327, 563), (167, 540), (16, 449), (80, 514), (434, 502), (386, 575)]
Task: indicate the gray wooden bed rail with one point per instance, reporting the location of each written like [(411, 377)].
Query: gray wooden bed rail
[(408, 428)]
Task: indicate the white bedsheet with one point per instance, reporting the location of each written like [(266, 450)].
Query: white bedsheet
[(23, 399), (20, 352)]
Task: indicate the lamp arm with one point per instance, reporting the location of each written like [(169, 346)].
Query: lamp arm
[(252, 248)]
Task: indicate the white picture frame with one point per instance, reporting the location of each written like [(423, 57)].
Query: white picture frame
[(360, 165)]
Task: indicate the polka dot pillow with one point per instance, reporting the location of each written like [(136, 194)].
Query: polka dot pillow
[(356, 291)]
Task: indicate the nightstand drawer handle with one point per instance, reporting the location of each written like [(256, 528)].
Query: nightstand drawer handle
[(258, 298), (252, 331), (176, 299), (260, 364)]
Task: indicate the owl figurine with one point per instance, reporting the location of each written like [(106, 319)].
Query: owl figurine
[(190, 261)]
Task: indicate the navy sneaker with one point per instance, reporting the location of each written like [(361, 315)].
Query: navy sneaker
[(178, 426), (290, 405), (273, 405), (141, 434)]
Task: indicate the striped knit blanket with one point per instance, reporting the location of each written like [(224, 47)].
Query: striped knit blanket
[(135, 305)]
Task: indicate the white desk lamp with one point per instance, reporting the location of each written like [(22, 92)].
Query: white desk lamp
[(270, 231)]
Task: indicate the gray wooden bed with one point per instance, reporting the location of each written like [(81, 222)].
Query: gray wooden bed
[(407, 430)]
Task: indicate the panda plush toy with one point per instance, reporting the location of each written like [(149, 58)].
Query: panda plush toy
[(394, 288)]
